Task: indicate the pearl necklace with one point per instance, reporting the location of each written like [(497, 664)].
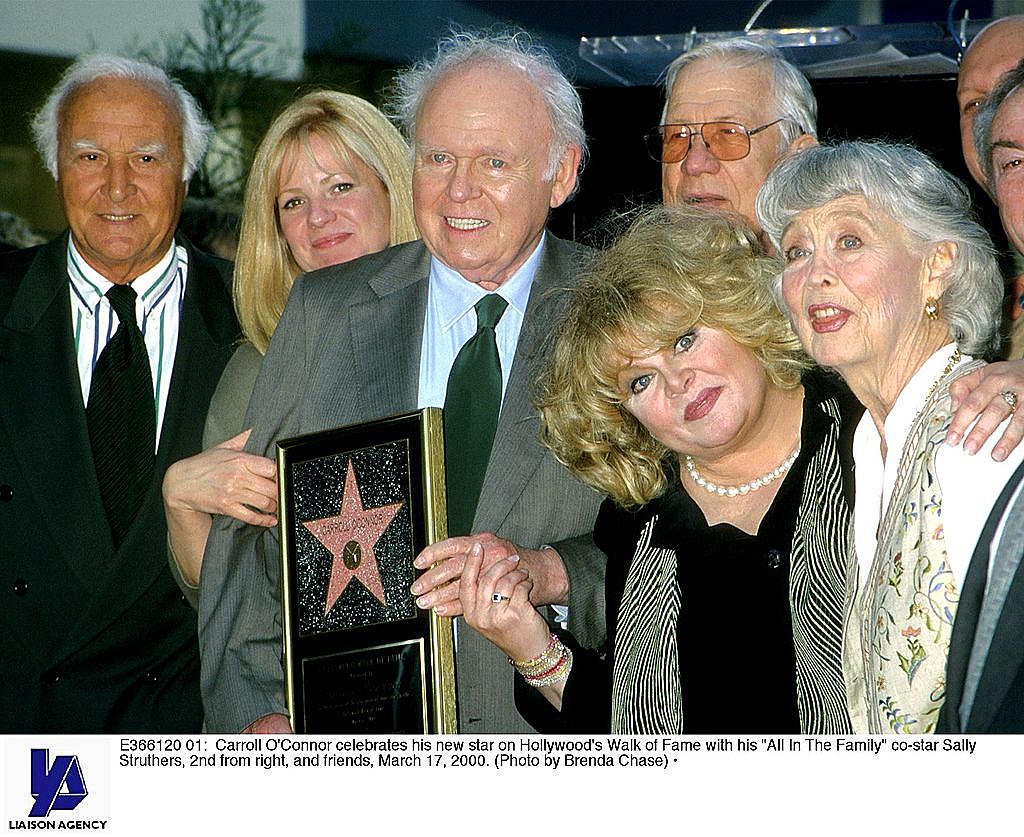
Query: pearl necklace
[(747, 487)]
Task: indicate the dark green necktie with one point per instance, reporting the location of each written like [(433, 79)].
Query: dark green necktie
[(471, 407), (121, 417)]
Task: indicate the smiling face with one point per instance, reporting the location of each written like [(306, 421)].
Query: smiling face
[(992, 53), (119, 170), (855, 286), (702, 396), (705, 92), (479, 193), (331, 210), (1008, 166)]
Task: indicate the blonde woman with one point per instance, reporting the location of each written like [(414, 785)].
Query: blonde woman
[(330, 181)]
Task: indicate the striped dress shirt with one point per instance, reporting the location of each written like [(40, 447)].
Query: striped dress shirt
[(160, 293)]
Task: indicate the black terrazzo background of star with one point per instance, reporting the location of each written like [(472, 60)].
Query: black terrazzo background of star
[(383, 474)]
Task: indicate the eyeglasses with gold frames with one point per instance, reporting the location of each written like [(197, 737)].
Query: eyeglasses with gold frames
[(725, 140)]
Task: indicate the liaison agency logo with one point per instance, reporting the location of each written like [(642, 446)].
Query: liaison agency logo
[(57, 785)]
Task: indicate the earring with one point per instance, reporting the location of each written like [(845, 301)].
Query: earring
[(931, 308)]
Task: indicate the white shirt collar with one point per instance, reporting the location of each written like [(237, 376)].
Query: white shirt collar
[(91, 286), (456, 295)]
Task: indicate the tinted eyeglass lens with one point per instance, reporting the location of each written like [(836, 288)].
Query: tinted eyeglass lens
[(725, 140)]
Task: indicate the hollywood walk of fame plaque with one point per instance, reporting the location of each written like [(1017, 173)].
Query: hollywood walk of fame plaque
[(356, 506)]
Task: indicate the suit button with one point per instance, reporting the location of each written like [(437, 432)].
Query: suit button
[(51, 678), (774, 559), (20, 587), (6, 493), (149, 677)]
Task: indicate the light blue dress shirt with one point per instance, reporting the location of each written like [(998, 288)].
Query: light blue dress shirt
[(451, 321)]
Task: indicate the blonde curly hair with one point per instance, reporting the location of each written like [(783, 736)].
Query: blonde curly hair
[(674, 267)]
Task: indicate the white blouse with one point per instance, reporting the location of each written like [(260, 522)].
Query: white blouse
[(969, 484)]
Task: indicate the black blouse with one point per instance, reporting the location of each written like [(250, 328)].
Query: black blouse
[(735, 636)]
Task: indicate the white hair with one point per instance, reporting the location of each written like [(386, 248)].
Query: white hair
[(195, 130), (790, 90), (515, 51), (913, 190)]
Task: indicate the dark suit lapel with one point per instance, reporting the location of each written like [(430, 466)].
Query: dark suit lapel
[(206, 333), (387, 334), (1004, 659), (968, 610), (517, 453), (43, 409), (1006, 651)]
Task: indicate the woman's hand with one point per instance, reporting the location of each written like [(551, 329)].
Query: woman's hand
[(222, 480), (511, 622), (978, 399), (438, 587)]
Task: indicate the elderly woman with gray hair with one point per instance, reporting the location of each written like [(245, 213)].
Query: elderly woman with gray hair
[(889, 280)]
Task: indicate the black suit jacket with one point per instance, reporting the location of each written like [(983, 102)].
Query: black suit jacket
[(999, 700), (94, 639)]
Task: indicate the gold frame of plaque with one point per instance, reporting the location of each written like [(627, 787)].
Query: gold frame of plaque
[(357, 504)]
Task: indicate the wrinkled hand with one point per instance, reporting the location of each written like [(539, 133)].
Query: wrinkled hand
[(513, 624), (979, 396), (269, 725), (444, 562), (225, 480)]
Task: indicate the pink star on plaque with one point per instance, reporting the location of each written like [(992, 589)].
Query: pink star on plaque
[(350, 537)]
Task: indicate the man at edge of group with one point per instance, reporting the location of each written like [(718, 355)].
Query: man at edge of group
[(112, 339), (991, 54), (985, 671)]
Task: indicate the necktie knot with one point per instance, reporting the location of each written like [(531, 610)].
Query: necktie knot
[(122, 300), (489, 311)]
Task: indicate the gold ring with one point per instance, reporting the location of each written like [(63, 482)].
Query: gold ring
[(1010, 397)]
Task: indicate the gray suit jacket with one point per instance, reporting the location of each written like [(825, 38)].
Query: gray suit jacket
[(348, 350)]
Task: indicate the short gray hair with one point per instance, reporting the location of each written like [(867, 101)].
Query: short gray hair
[(986, 115), (195, 130), (793, 96), (913, 190), (513, 50)]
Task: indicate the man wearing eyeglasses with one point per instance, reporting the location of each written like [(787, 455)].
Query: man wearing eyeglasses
[(733, 109)]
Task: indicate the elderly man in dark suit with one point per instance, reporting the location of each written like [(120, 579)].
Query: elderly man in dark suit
[(498, 142), (112, 338)]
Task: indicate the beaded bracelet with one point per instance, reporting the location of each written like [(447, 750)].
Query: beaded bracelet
[(544, 660), (548, 667), (559, 672)]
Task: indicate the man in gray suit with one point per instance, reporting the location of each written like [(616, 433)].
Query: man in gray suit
[(498, 141)]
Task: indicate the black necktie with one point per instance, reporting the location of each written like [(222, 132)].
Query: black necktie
[(471, 407), (121, 417)]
